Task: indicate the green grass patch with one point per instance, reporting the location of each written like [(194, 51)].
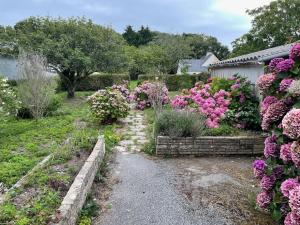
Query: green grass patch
[(67, 134)]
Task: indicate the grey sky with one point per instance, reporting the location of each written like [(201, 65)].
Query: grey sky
[(224, 19)]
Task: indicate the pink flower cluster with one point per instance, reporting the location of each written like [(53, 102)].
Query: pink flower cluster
[(180, 102), (285, 65), (269, 100), (271, 147), (259, 167), (122, 88), (142, 93), (285, 84), (274, 113), (291, 124), (283, 150), (265, 81), (295, 52), (273, 63), (264, 199), (213, 106)]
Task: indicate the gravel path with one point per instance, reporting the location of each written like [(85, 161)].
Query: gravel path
[(144, 194)]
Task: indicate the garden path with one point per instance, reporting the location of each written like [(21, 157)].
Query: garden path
[(144, 195)]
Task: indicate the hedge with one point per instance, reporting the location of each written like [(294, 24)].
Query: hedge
[(97, 81), (176, 82)]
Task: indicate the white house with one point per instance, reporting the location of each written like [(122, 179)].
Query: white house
[(194, 66), (251, 65)]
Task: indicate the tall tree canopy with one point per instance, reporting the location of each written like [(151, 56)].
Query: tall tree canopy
[(201, 44), (275, 24), (74, 47), (141, 37)]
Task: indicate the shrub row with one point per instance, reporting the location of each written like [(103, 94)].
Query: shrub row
[(98, 81), (176, 82)]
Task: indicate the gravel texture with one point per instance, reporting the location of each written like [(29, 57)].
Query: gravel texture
[(144, 196)]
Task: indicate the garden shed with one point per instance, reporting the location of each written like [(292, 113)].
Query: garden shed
[(250, 65), (195, 66)]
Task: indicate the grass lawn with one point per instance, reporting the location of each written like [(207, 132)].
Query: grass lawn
[(70, 135), (133, 84), (24, 142)]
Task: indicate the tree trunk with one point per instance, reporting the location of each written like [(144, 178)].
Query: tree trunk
[(71, 91)]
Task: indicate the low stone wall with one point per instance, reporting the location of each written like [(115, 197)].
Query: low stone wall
[(72, 203), (239, 145)]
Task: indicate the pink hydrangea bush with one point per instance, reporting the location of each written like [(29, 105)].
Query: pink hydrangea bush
[(123, 89), (291, 124), (279, 173), (141, 95), (265, 81)]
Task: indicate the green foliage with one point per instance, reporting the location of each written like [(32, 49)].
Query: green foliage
[(179, 124), (265, 32), (8, 212), (97, 81), (218, 84), (145, 59), (222, 130), (25, 142), (108, 105), (244, 105), (74, 47), (54, 105), (201, 44), (141, 37), (176, 82)]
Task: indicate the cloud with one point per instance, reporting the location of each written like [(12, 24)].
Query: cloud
[(225, 19)]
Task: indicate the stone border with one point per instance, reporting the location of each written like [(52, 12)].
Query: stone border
[(209, 145), (75, 198)]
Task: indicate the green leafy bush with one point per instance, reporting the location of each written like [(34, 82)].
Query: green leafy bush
[(243, 110), (221, 84), (180, 124), (53, 106), (222, 130), (98, 81), (176, 82), (108, 105)]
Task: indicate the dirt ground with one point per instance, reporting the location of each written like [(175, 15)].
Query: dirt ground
[(225, 183)]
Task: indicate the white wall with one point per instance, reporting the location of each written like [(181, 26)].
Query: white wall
[(252, 72), (211, 60)]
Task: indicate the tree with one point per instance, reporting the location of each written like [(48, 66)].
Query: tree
[(146, 59), (175, 47), (142, 37), (272, 25), (130, 36), (201, 44), (73, 47)]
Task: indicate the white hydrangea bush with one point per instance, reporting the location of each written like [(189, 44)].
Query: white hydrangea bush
[(9, 103)]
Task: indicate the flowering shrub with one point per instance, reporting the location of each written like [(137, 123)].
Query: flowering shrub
[(279, 174), (108, 105), (8, 100), (234, 103), (123, 89), (143, 94), (243, 109)]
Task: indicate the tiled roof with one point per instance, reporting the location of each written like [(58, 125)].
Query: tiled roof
[(256, 57)]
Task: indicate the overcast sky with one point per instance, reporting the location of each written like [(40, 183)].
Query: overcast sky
[(224, 19)]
